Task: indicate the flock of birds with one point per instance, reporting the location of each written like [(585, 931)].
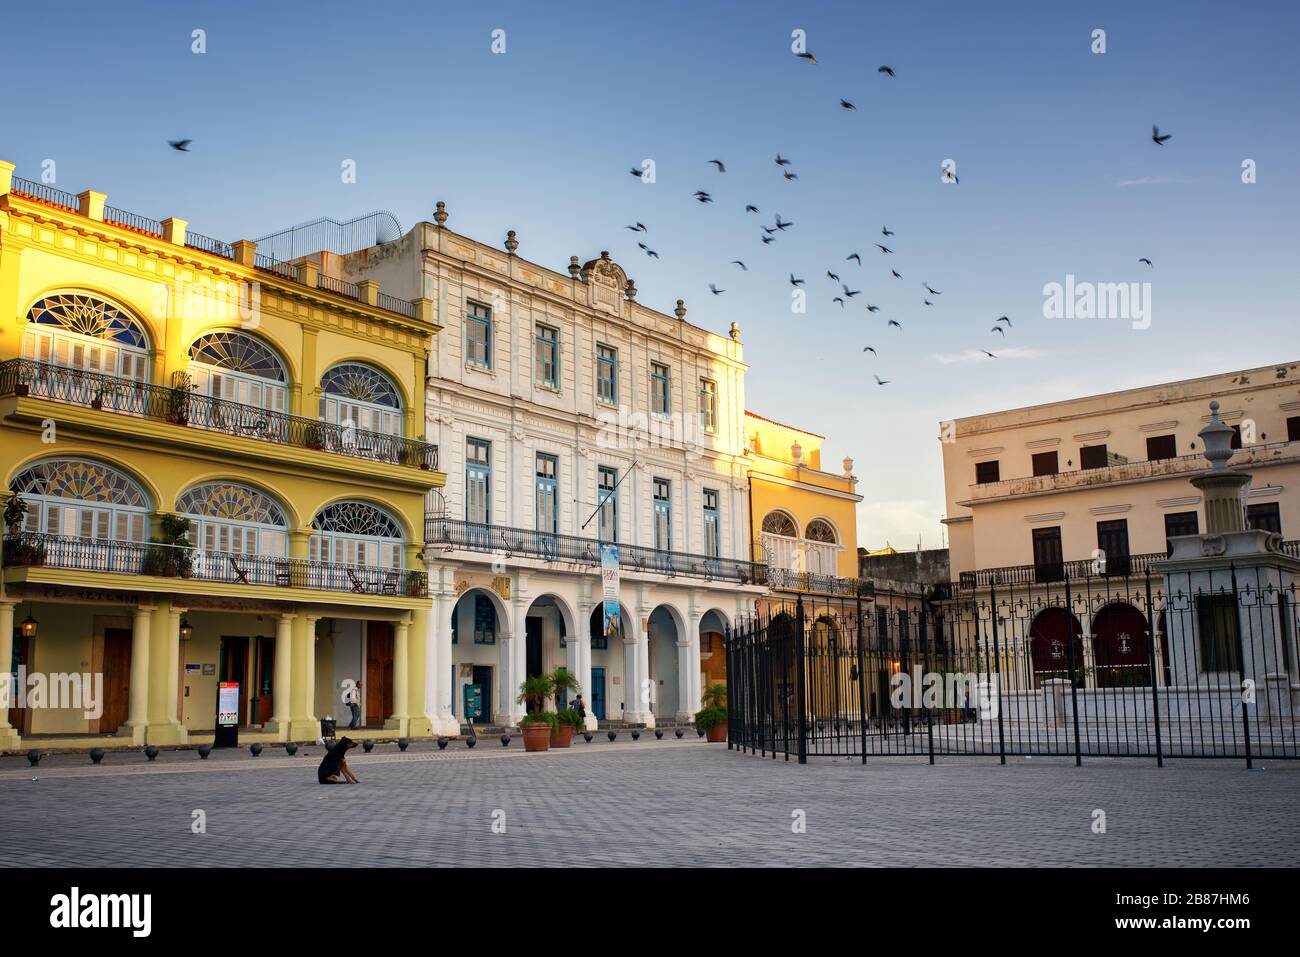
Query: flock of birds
[(771, 233)]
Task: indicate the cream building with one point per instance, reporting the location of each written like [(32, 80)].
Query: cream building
[(1066, 481), (569, 414)]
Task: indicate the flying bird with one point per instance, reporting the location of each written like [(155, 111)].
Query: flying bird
[(737, 262), (933, 292), (768, 239), (846, 105), (887, 70), (1157, 137), (638, 228), (871, 350), (839, 300), (702, 196), (1144, 260), (880, 381), (788, 175), (636, 171), (648, 250), (807, 56), (795, 282), (781, 225), (182, 146), (886, 231), (781, 160), (871, 308), (718, 164), (751, 209), (1003, 319), (1000, 331), (769, 230), (989, 354), (853, 256), (883, 249), (851, 292), (895, 323), (927, 302), (897, 274), (831, 275), (715, 290)]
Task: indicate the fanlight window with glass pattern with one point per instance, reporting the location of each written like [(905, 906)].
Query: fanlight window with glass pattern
[(235, 366), (81, 499), (357, 533), (88, 334), (228, 517), (819, 547), (359, 395), (781, 541)]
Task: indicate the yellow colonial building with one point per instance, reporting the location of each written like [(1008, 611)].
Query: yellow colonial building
[(214, 472)]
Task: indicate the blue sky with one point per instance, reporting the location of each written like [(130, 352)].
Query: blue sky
[(1058, 174)]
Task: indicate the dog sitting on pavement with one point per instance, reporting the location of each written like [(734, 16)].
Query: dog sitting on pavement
[(335, 763)]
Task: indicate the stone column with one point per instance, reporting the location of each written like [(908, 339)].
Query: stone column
[(437, 662), (302, 700), (138, 709), (582, 645), (164, 670), (648, 685), (399, 720), (8, 735), (282, 677)]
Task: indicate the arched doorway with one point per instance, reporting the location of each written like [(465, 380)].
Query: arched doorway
[(478, 622), (1121, 646), (1050, 655), (665, 631), (607, 697), (713, 650), (547, 630)]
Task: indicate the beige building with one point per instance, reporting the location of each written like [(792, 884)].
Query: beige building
[(1065, 481)]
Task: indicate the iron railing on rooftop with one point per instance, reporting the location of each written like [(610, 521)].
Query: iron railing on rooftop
[(25, 377), (134, 221), (287, 270), (209, 245), (393, 304), (46, 194), (339, 286)]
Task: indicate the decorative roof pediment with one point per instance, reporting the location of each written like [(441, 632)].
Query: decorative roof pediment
[(606, 283)]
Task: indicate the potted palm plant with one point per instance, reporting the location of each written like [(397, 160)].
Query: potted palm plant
[(712, 718), (537, 723), (566, 720)]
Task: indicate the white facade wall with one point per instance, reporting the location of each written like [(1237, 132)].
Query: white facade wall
[(508, 406)]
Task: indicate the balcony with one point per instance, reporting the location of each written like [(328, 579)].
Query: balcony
[(27, 378), (1251, 456), (454, 534), (784, 579), (30, 550)]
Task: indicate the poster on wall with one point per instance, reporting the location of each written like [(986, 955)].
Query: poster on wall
[(228, 704), (609, 585)]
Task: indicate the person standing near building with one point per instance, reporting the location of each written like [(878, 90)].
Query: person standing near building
[(352, 698)]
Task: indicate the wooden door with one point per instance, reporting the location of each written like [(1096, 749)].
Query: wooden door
[(379, 672), (265, 680), (117, 679)]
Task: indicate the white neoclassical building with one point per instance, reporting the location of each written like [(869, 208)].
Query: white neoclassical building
[(568, 414)]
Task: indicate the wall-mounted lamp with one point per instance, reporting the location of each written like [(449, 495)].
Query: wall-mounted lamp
[(187, 630)]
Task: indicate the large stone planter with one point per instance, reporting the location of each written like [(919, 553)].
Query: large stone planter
[(562, 736), (717, 734), (537, 736)]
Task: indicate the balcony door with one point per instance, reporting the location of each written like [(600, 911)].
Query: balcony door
[(1049, 563), (236, 367), (94, 341)]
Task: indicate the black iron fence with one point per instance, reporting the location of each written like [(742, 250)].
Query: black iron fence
[(454, 533), (181, 406), (1154, 665), (176, 561), (45, 193)]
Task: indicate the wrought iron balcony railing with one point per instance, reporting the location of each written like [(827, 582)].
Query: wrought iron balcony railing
[(785, 579), (26, 377), (177, 561), (44, 193), (453, 533)]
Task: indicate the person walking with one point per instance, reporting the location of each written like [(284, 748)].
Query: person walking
[(352, 698), (579, 707)]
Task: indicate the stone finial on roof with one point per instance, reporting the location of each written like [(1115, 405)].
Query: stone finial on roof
[(440, 213), (511, 242), (575, 267), (630, 290), (680, 311)]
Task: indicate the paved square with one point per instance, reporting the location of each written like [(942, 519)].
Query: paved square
[(682, 803)]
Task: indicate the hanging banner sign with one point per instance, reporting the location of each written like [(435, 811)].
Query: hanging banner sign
[(609, 584)]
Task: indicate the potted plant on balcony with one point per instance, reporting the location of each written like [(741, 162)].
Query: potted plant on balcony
[(712, 718), (536, 724), (15, 514), (314, 436), (178, 407), (566, 720), (170, 554)]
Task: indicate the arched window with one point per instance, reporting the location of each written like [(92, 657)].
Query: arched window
[(233, 365), (81, 499), (357, 533), (228, 517), (86, 333), (779, 523), (820, 530), (360, 395)]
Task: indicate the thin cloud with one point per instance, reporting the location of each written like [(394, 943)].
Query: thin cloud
[(1155, 181), (975, 355)]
